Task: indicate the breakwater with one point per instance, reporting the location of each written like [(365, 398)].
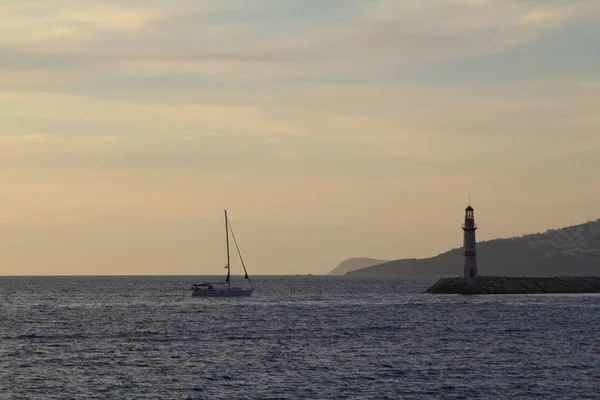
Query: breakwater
[(517, 285)]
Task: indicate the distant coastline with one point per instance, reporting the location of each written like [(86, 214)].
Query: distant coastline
[(353, 264), (569, 251)]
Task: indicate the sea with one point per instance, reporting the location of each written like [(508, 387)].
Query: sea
[(297, 337)]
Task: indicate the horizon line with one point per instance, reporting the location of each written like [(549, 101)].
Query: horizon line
[(128, 275)]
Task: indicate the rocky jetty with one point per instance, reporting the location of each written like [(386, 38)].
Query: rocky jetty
[(517, 285)]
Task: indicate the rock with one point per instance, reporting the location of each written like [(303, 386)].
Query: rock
[(517, 285)]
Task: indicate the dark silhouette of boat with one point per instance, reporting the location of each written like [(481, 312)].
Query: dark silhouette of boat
[(224, 289)]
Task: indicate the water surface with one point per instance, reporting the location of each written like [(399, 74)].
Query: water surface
[(296, 337)]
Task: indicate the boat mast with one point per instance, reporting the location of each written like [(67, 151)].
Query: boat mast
[(240, 254), (227, 241)]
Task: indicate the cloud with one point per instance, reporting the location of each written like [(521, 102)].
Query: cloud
[(28, 138), (68, 22), (590, 85), (544, 17), (370, 39), (352, 130), (156, 118)]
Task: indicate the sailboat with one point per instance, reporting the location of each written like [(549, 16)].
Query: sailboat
[(224, 289)]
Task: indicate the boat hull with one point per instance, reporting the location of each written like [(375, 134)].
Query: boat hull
[(233, 292)]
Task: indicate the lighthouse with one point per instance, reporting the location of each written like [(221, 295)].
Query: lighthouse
[(470, 254)]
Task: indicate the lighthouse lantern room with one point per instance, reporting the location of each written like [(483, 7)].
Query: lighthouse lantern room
[(469, 253)]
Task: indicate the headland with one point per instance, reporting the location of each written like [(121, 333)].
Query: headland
[(517, 285)]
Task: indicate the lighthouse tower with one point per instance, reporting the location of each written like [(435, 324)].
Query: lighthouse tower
[(470, 254)]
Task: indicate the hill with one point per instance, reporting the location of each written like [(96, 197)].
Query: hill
[(352, 264), (573, 250)]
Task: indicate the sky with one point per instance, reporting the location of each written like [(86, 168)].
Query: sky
[(329, 129)]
